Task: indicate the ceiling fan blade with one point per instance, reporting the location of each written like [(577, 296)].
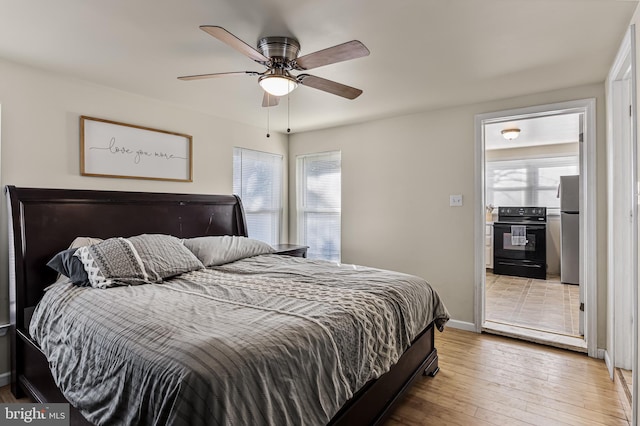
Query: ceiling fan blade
[(343, 52), (233, 41), (269, 100), (215, 75), (329, 86)]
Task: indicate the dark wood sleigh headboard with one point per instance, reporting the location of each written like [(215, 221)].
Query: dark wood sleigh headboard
[(45, 221)]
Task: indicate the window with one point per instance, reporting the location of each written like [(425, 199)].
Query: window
[(319, 201), (528, 182), (257, 179)]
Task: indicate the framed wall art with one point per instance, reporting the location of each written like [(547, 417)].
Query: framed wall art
[(113, 149)]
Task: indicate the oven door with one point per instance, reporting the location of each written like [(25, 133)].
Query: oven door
[(520, 241)]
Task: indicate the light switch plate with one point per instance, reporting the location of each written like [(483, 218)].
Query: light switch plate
[(455, 200)]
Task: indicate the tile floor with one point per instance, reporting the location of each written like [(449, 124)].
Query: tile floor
[(546, 305)]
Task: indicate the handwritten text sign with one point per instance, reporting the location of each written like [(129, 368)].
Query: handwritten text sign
[(123, 150)]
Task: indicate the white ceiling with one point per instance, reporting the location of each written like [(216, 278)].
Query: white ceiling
[(425, 54), (548, 130)]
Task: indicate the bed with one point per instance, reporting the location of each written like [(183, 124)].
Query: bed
[(45, 221)]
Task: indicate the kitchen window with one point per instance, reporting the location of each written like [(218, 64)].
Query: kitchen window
[(257, 179), (319, 204), (528, 182)]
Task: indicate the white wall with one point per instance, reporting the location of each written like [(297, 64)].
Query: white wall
[(40, 143), (398, 174)]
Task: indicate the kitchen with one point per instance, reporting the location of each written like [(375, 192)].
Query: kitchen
[(532, 247)]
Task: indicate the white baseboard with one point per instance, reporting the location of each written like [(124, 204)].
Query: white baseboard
[(5, 378), (607, 362), (601, 353), (461, 325)]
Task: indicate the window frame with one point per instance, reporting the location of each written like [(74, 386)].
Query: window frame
[(277, 212), (302, 210)]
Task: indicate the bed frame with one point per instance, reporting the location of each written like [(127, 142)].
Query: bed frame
[(43, 222)]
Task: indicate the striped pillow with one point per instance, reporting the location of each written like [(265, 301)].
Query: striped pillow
[(164, 256), (112, 262)]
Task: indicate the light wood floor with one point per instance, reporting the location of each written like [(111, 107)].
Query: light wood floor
[(492, 380), (6, 397), (624, 379)]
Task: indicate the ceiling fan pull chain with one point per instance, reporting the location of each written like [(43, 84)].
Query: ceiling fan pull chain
[(288, 114), (268, 101)]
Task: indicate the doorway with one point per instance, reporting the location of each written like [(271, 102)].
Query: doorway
[(508, 181)]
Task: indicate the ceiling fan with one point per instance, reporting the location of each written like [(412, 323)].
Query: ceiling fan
[(280, 55)]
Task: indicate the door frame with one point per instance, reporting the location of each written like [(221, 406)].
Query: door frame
[(588, 232), (623, 68)]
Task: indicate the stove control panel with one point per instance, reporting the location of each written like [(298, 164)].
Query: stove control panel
[(529, 213)]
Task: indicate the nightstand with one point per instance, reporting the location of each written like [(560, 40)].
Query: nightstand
[(291, 250)]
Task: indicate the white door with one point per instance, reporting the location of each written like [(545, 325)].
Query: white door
[(621, 224)]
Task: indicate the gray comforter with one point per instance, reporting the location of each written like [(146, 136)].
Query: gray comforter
[(265, 340)]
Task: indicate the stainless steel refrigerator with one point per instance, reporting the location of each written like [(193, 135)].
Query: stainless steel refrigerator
[(569, 193)]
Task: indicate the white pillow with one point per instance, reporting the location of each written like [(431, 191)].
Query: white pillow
[(84, 241), (214, 251)]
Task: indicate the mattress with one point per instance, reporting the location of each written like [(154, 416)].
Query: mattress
[(270, 339)]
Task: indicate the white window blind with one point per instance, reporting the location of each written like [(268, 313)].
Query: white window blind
[(257, 179), (528, 182), (319, 204)]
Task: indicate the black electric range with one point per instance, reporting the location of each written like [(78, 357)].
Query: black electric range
[(520, 242)]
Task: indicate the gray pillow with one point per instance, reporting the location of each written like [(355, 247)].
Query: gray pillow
[(112, 262), (164, 256), (65, 263), (213, 251)]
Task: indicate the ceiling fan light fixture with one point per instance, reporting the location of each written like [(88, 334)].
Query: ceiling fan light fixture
[(278, 84), (510, 134)]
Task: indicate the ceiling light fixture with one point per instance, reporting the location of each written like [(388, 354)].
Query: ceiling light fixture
[(510, 134), (278, 82)]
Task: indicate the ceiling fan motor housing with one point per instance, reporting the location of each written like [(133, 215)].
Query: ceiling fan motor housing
[(281, 50)]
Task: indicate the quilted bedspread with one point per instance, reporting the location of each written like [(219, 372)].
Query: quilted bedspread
[(265, 340)]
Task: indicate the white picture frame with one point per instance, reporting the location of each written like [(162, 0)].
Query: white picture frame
[(119, 150)]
